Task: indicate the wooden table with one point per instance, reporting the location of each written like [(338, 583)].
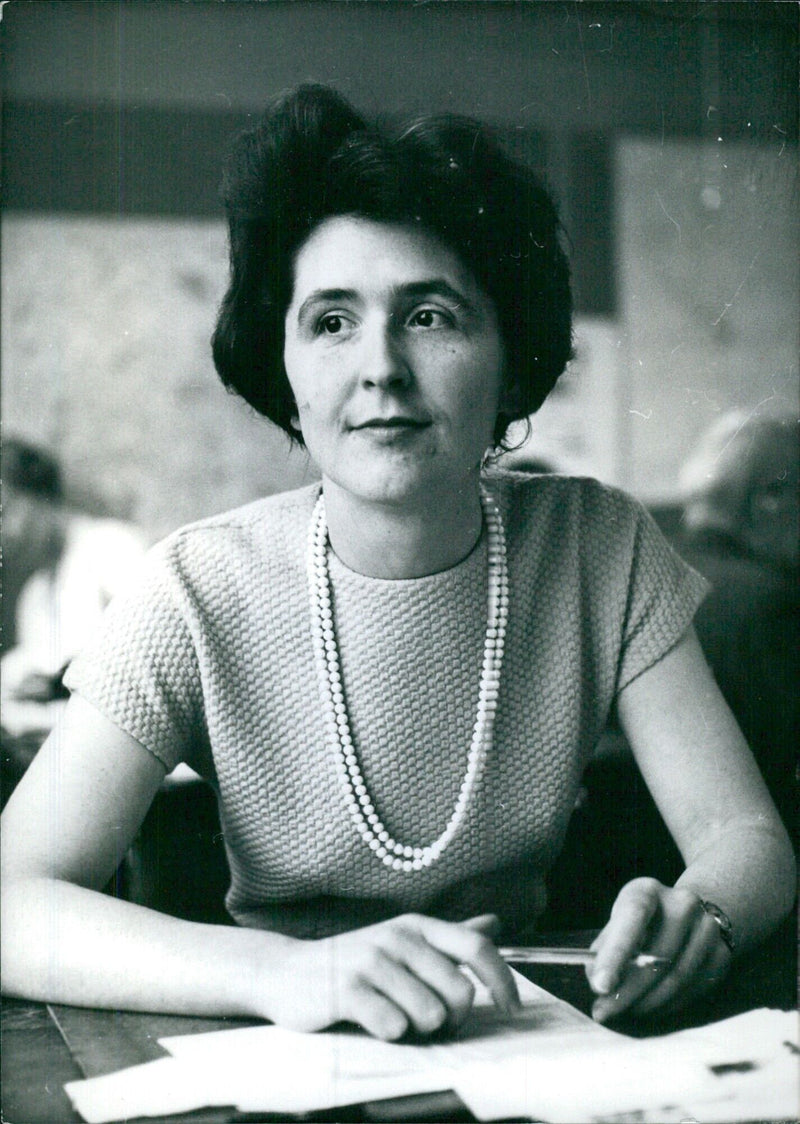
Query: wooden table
[(44, 1046)]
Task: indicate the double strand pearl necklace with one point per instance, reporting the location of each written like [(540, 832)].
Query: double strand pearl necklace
[(367, 823)]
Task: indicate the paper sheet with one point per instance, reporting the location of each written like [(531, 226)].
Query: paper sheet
[(267, 1068), (286, 1071), (743, 1068), (266, 1083), (551, 1063)]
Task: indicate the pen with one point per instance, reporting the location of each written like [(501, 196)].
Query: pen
[(529, 955)]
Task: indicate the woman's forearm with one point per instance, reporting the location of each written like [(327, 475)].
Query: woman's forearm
[(708, 788), (75, 946), (63, 943), (745, 867), (748, 869)]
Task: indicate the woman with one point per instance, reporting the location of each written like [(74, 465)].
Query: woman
[(394, 681)]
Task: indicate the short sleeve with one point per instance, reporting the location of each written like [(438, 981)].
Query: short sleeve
[(141, 670), (664, 594)]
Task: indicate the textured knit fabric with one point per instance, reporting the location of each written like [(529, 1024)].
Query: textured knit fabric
[(210, 661)]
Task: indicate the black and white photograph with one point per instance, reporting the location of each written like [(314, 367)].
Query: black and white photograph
[(400, 487)]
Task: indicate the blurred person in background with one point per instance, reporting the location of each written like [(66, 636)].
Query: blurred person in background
[(60, 569), (740, 527), (740, 490)]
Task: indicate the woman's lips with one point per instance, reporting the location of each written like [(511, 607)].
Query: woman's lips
[(392, 423), (391, 431)]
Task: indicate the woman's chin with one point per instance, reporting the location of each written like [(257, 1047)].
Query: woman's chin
[(394, 490), (398, 481)]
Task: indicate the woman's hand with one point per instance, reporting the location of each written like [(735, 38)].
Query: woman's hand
[(400, 975), (669, 922)]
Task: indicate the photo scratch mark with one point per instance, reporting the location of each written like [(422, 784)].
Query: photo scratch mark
[(746, 418), (647, 415), (729, 304), (674, 222), (585, 68), (782, 132)]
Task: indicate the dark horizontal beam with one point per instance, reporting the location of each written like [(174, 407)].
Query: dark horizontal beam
[(130, 159), (62, 157), (539, 63)]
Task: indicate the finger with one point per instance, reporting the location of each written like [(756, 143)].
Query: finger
[(375, 1013), (709, 977), (625, 934), (438, 971), (424, 1010), (678, 916), (488, 923), (700, 966), (465, 945)]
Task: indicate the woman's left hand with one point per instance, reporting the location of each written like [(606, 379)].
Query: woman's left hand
[(664, 921)]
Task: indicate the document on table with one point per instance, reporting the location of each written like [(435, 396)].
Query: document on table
[(551, 1063), (267, 1068), (740, 1069)]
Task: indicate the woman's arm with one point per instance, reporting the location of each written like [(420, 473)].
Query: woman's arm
[(737, 852), (64, 832)]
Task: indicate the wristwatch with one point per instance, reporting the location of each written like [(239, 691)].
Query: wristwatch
[(722, 920)]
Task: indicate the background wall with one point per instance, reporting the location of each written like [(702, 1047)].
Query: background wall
[(707, 240), (668, 130), (106, 326)]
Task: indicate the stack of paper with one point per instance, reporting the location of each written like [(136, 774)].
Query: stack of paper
[(551, 1063), (269, 1069), (257, 1069), (741, 1069)]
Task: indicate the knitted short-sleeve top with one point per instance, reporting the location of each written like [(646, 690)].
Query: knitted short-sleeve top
[(210, 660)]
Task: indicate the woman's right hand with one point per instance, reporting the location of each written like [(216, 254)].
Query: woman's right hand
[(400, 975)]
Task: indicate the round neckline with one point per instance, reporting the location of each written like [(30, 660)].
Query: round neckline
[(478, 552), (475, 558)]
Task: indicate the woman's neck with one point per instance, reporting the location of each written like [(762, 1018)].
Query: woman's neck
[(402, 540)]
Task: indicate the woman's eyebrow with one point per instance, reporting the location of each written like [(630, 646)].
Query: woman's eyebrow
[(322, 296), (435, 286)]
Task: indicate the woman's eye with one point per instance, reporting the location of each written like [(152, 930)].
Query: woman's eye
[(331, 325), (428, 318)]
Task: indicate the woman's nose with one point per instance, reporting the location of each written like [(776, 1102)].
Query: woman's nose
[(383, 361)]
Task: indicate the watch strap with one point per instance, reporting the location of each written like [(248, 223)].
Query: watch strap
[(723, 922)]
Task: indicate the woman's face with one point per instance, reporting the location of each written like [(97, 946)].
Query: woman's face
[(394, 358)]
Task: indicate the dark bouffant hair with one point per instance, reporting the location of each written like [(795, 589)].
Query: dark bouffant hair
[(311, 157)]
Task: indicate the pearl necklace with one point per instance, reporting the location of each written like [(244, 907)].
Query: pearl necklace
[(367, 823)]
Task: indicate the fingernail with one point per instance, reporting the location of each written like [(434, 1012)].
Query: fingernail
[(604, 1008), (601, 981)]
